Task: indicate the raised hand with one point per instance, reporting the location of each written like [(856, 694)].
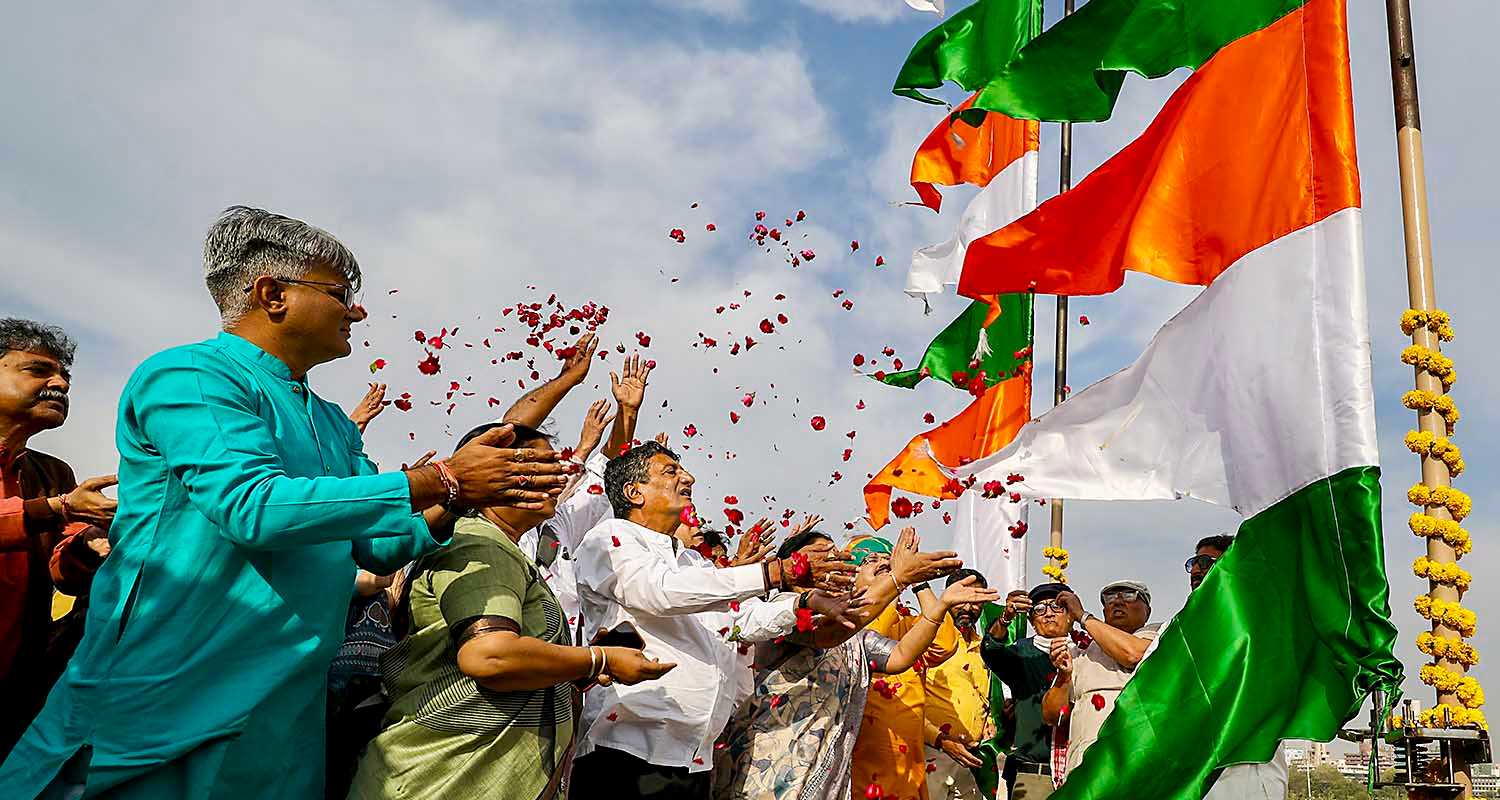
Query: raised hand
[(967, 591), (841, 608), (629, 387), (808, 523), (576, 366), (489, 474), (829, 569), (369, 407), (88, 502), (421, 462), (630, 666), (1017, 604), (909, 565), (754, 548), (1072, 605), (595, 420)]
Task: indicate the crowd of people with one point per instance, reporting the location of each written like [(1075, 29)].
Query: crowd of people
[(265, 613)]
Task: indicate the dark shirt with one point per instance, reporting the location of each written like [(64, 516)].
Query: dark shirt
[(1028, 673), (38, 553)]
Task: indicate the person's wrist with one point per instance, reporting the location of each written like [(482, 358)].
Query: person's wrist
[(58, 506)]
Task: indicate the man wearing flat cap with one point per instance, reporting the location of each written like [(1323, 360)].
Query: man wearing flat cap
[(1089, 679), (1025, 667)]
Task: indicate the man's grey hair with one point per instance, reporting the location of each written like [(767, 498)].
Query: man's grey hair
[(246, 243), (36, 337), (632, 467)]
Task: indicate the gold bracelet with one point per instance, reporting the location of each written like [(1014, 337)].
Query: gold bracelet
[(937, 622)]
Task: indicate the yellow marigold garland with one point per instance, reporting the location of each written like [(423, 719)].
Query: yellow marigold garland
[(1424, 443), (1459, 716), (1432, 361), (1466, 688), (1445, 529), (1440, 647), (1449, 613), (1436, 321), (1057, 554), (1450, 574), (1423, 400), (1457, 503), (1055, 572)]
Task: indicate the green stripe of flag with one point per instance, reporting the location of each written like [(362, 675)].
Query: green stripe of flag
[(953, 349), (1075, 69), (1284, 639), (970, 48)]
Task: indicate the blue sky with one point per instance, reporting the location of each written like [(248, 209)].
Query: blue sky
[(468, 150)]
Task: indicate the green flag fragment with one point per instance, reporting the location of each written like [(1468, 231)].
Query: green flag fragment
[(969, 48), (1284, 639), (1074, 70), (953, 349)]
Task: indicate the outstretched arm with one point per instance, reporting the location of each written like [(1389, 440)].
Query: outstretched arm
[(536, 405), (629, 387), (934, 609)]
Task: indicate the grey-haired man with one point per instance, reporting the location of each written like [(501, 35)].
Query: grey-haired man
[(1090, 678), (246, 502)]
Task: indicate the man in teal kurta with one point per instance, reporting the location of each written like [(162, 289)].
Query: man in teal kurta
[(246, 502)]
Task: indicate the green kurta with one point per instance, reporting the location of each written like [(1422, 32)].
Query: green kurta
[(447, 736), (245, 503)]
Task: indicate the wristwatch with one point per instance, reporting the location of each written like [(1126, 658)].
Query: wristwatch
[(1087, 615)]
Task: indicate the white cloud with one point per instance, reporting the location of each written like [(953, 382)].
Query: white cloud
[(861, 10)]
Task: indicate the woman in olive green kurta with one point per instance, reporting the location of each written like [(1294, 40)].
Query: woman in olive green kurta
[(448, 736)]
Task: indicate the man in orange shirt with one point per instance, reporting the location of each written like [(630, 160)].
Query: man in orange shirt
[(48, 536), (888, 752)]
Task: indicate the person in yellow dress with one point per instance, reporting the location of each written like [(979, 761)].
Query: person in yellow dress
[(888, 752)]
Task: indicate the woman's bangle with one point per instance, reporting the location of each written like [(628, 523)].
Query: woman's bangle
[(899, 587), (603, 661), (67, 513), (593, 662), (937, 622)]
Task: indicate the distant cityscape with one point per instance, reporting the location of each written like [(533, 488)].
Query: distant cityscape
[(1303, 757)]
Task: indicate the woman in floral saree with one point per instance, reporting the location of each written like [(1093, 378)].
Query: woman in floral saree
[(793, 739)]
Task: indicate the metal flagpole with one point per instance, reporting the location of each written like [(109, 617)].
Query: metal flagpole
[(1420, 287), (1060, 354)]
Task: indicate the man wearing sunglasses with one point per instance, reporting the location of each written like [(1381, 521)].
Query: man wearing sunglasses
[(1090, 678), (1025, 667), (246, 502), (1209, 550)]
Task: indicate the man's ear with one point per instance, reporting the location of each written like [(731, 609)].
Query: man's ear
[(633, 494), (268, 294)]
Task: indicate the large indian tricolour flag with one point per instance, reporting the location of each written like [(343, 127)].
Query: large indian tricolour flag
[(1257, 396)]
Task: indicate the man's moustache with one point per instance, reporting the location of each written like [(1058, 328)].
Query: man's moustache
[(51, 394)]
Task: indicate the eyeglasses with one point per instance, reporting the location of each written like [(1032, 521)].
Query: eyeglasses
[(349, 296), (1127, 595), (1200, 562), (1046, 606)]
